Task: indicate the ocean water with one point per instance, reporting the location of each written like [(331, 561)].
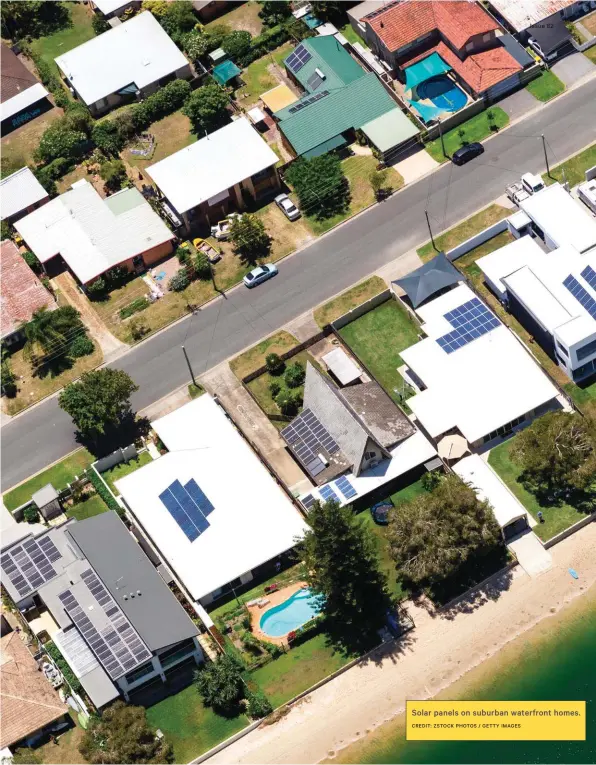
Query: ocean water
[(554, 661)]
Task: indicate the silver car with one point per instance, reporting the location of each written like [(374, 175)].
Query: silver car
[(259, 275), (287, 207)]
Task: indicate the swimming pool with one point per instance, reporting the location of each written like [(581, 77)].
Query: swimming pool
[(298, 609), (443, 92)]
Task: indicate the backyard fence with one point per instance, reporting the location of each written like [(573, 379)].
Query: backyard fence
[(569, 531), (478, 239), (360, 310), (287, 355)]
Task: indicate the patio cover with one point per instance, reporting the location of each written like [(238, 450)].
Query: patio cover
[(429, 67), (278, 98), (323, 148), (427, 280), (389, 130), (225, 72)]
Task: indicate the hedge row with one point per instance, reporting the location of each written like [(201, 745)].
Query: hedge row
[(52, 650), (104, 492), (271, 39), (48, 76)]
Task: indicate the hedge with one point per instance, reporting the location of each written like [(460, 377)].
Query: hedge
[(52, 650), (137, 305), (104, 492), (48, 77)]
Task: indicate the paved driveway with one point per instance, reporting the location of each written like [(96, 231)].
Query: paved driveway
[(518, 104), (530, 553), (573, 68)]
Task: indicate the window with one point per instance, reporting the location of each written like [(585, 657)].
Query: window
[(369, 455), (562, 349), (180, 648), (139, 672), (504, 429), (586, 350)]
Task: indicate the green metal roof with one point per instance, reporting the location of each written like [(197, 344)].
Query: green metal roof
[(323, 148), (329, 57), (389, 130), (350, 107)]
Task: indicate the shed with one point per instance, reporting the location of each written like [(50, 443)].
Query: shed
[(218, 54), (342, 367), (47, 502), (225, 72), (429, 279), (256, 115)]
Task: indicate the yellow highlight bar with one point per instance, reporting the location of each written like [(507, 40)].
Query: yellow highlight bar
[(496, 720)]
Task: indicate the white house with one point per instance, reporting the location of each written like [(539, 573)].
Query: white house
[(20, 193), (209, 507)]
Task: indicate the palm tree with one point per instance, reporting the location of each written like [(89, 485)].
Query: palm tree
[(41, 334)]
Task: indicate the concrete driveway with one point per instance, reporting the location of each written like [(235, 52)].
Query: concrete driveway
[(573, 68), (518, 104), (530, 553)]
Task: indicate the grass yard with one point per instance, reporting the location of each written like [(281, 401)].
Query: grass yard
[(589, 22), (245, 16), (286, 235), (94, 505), (261, 75), (18, 147), (299, 669), (546, 86), (58, 475), (556, 519), (254, 357), (171, 134), (584, 397), (468, 228), (377, 339), (259, 387), (574, 168), (32, 387), (351, 36), (66, 39), (189, 726), (348, 300), (65, 752), (475, 129), (357, 170), (125, 468), (591, 54), (467, 262)]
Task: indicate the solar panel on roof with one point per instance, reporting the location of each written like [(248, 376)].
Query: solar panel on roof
[(580, 293), (314, 81), (28, 566), (470, 321), (188, 506), (49, 549), (298, 58), (328, 494), (346, 488), (199, 497), (590, 276), (308, 501), (307, 438)]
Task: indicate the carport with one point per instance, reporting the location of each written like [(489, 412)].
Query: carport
[(429, 280)]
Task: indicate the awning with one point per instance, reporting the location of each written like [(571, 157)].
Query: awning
[(225, 72), (429, 67), (323, 148), (429, 279), (389, 130)]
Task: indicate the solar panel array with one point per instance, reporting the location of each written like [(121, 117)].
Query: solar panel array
[(590, 276), (581, 294), (298, 58), (328, 494), (308, 501), (308, 438), (470, 321), (307, 101), (189, 507), (29, 565), (346, 488), (119, 647)]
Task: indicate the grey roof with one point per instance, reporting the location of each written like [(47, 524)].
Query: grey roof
[(429, 279), (387, 423), (550, 35), (98, 686), (123, 568), (519, 53), (45, 495)]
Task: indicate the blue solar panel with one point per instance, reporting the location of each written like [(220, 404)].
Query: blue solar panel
[(590, 276), (346, 488), (470, 321), (328, 494), (298, 58), (581, 295), (189, 507), (199, 497), (178, 514)]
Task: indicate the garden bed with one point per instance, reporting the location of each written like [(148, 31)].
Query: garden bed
[(261, 389)]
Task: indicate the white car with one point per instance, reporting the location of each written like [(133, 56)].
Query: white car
[(259, 275), (287, 207)]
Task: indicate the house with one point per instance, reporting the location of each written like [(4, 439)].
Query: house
[(29, 706), (209, 508), (521, 15), (341, 97), (107, 609), (351, 440), (22, 96), (473, 377), (463, 36), (110, 9), (212, 176), (20, 193), (132, 60), (21, 293), (207, 10), (92, 235)]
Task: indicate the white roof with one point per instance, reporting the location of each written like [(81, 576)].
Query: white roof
[(562, 218), (109, 6), (212, 165), (487, 485), (252, 521), (522, 14), (479, 387), (256, 114), (19, 191), (342, 366), (588, 189), (138, 51), (408, 454), (22, 100), (93, 234)]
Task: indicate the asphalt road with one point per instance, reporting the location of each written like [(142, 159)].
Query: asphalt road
[(331, 264)]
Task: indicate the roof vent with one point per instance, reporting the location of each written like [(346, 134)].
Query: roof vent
[(126, 597), (132, 594), (139, 593)]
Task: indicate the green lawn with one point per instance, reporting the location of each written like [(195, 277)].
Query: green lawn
[(124, 468), (475, 129), (546, 86), (351, 36), (468, 228), (377, 339), (556, 518), (66, 39), (250, 360), (259, 387), (299, 669), (58, 475), (591, 54), (87, 509), (468, 261), (584, 398), (575, 167), (349, 299), (258, 78), (191, 727)]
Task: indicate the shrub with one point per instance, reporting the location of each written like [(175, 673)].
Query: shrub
[(125, 125), (106, 136), (294, 375), (275, 364), (32, 261), (116, 276), (96, 288), (206, 108), (251, 643), (258, 705), (179, 281), (113, 174), (60, 140), (183, 256), (202, 266), (167, 100), (52, 651), (137, 329), (31, 514), (287, 402), (274, 388), (135, 307), (81, 346), (431, 480), (104, 493), (221, 686), (237, 44), (320, 184), (6, 230), (99, 24)]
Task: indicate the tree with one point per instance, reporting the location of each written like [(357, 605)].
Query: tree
[(178, 19), (237, 43), (335, 12), (122, 734), (275, 11), (206, 108), (249, 237), (321, 185), (196, 44), (99, 24), (99, 401), (32, 18), (108, 137), (60, 140), (49, 332), (221, 686), (432, 536), (557, 454), (113, 174), (342, 567), (158, 8), (31, 260), (294, 375), (380, 184), (202, 265), (275, 364)]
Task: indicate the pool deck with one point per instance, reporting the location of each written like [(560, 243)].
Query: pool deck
[(274, 600)]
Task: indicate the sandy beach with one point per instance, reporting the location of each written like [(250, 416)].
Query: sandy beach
[(441, 649)]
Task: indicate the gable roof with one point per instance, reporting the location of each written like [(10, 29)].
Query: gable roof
[(28, 701), (404, 22), (521, 14), (14, 75), (427, 280), (331, 58), (21, 292), (19, 191)]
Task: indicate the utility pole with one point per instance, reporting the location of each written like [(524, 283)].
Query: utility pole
[(194, 382), (545, 156), (430, 231), (442, 141)]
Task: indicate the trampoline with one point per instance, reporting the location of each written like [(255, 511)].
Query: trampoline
[(443, 93)]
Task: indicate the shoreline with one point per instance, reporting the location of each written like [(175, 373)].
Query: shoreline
[(425, 662)]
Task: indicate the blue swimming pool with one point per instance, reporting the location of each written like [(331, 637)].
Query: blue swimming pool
[(443, 92), (298, 609)]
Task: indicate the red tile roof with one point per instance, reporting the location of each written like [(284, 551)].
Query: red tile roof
[(406, 21), (21, 292)]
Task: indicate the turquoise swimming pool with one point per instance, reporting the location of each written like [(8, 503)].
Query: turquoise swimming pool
[(298, 609)]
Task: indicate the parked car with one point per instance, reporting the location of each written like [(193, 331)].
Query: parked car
[(259, 275), (535, 45), (287, 207), (466, 153)]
